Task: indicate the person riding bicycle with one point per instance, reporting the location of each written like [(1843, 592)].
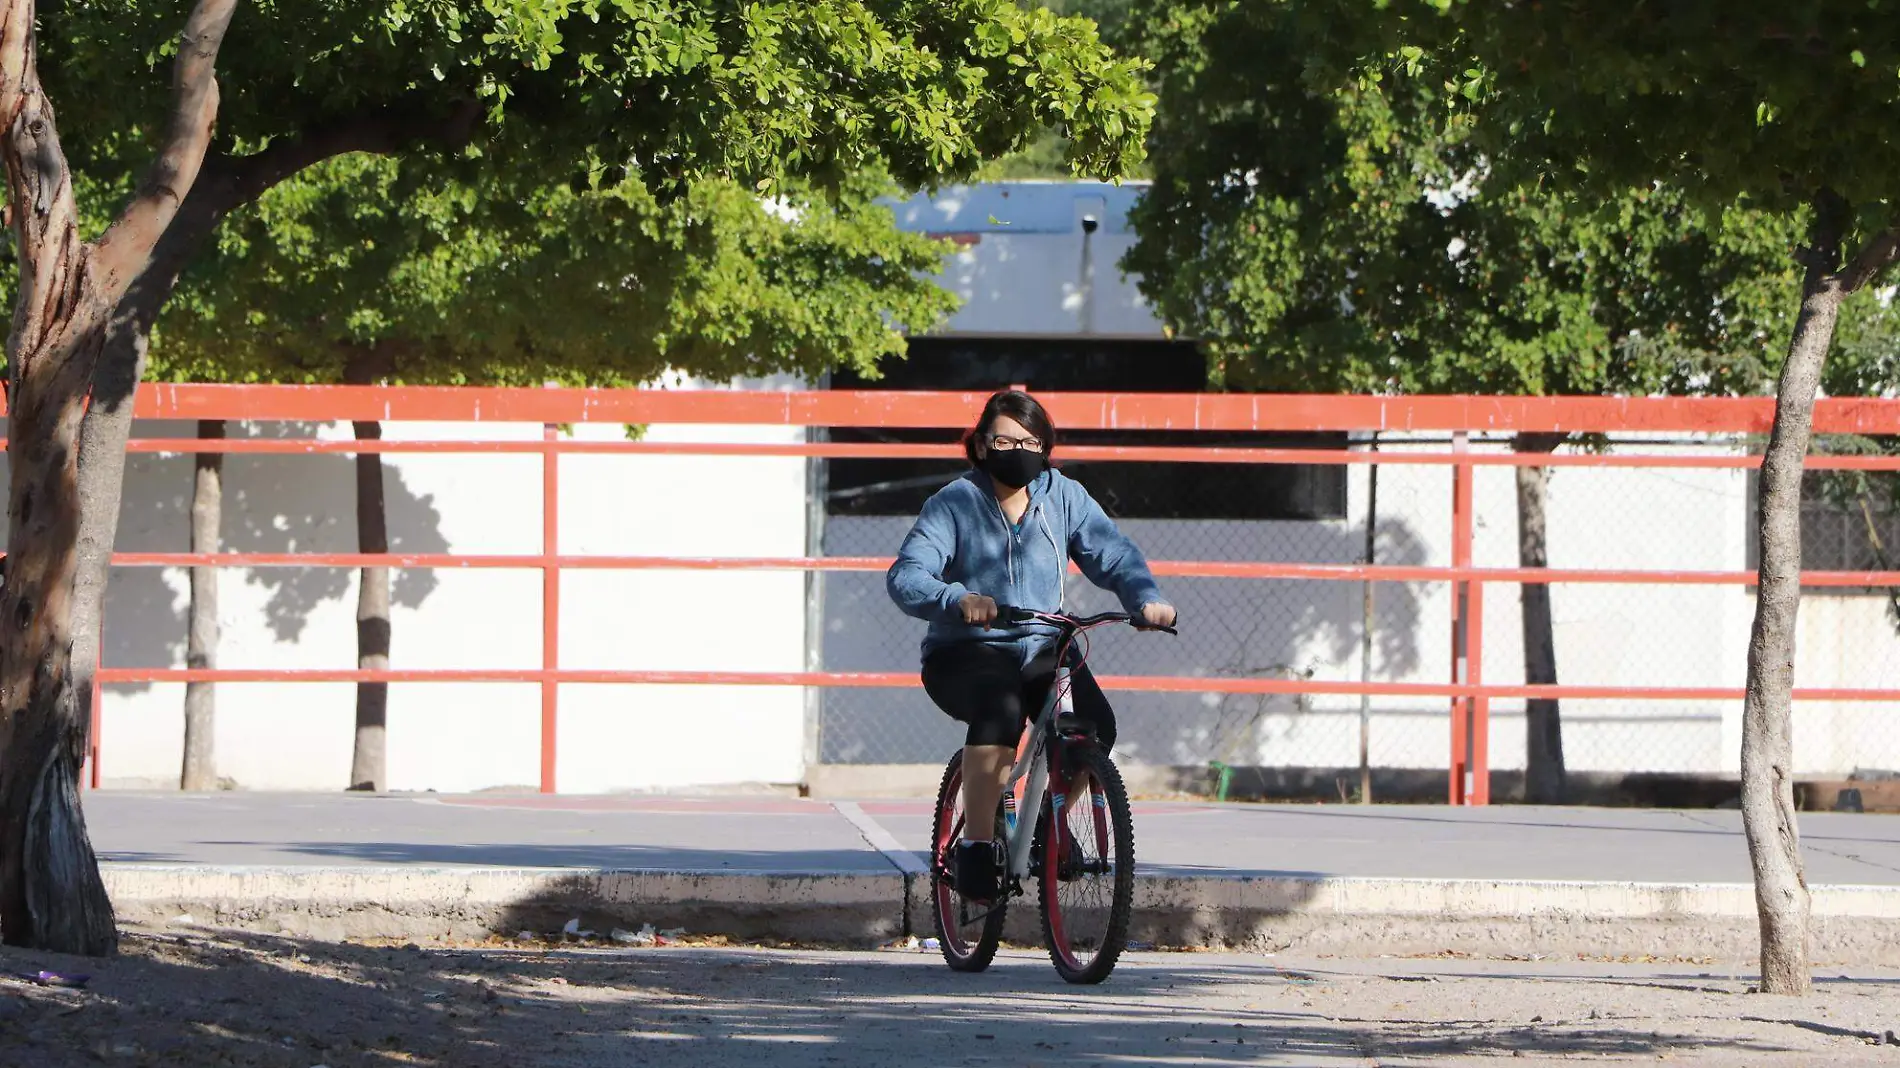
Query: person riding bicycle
[(1005, 532)]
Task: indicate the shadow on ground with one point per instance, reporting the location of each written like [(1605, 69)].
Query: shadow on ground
[(229, 999)]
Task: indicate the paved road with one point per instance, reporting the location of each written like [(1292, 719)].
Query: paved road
[(787, 834), (262, 1001)]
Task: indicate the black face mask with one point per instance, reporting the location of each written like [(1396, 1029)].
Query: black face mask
[(1014, 468)]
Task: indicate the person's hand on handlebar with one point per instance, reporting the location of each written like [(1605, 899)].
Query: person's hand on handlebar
[(978, 610), (1156, 614)]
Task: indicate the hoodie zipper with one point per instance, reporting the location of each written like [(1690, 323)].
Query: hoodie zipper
[(1009, 545), (1009, 542)]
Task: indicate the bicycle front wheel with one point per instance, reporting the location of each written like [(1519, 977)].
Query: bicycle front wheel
[(1087, 868), (967, 932)]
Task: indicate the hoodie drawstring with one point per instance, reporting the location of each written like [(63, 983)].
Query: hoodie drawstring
[(1062, 572)]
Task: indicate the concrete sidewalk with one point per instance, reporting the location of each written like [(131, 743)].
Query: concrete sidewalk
[(1399, 878)]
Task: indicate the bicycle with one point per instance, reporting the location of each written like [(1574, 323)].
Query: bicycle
[(1072, 880)]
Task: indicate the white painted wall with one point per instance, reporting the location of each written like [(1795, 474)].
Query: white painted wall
[(1026, 265), (652, 737), (1846, 641), (1662, 519), (456, 737)]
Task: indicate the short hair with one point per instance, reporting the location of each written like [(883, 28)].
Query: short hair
[(1017, 405)]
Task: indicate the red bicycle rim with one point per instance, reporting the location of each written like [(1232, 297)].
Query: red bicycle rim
[(948, 904)]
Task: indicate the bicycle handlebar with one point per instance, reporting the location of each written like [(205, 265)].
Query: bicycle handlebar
[(1011, 614)]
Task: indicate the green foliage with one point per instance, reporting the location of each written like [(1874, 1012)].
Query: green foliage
[(668, 90), (1866, 357), (606, 219), (1325, 232), (498, 279), (1786, 107), (1042, 160), (1046, 157), (1775, 103), (1111, 17)]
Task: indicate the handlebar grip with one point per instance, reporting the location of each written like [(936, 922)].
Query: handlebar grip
[(1165, 630), (1009, 613)]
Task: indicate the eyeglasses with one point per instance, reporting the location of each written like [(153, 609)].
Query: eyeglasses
[(1004, 443)]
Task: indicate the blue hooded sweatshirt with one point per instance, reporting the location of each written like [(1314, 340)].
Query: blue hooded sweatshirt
[(962, 544)]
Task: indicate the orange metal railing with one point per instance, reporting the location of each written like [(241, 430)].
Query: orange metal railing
[(1464, 687)]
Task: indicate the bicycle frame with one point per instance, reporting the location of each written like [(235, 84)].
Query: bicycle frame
[(1032, 761), (1032, 764)]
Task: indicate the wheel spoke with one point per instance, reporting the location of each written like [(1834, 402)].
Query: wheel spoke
[(969, 932), (1087, 876)]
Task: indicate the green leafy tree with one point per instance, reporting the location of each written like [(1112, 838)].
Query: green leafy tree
[(1789, 108), (1328, 234), (365, 270), (663, 92), (1045, 158)]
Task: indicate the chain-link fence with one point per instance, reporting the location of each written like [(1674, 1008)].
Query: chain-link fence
[(1689, 518)]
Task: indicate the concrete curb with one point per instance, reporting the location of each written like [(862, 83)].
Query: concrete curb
[(1512, 898), (409, 902), (1487, 917), (1853, 924), (1361, 916)]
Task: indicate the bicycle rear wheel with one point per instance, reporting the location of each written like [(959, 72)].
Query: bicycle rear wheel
[(1087, 867), (967, 932)]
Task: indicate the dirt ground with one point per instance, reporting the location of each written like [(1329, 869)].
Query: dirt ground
[(204, 999)]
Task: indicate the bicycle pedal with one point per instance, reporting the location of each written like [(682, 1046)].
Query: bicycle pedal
[(1073, 865)]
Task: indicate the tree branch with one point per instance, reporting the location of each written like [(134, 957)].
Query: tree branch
[(385, 130), (1876, 257), (226, 183), (127, 244), (39, 191), (17, 76)]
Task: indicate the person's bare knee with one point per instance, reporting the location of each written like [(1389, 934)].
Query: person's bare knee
[(985, 770)]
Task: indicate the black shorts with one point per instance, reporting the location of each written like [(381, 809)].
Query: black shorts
[(987, 688)]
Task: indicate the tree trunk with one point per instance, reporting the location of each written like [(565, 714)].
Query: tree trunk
[(69, 312), (81, 321), (369, 769), (1544, 777), (100, 481), (200, 770), (51, 895), (1366, 595), (1768, 814), (102, 438)]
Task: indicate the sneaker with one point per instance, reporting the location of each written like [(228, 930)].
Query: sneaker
[(976, 872), (1070, 867)]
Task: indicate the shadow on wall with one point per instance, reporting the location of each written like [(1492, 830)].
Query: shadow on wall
[(1231, 628), (272, 504)]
